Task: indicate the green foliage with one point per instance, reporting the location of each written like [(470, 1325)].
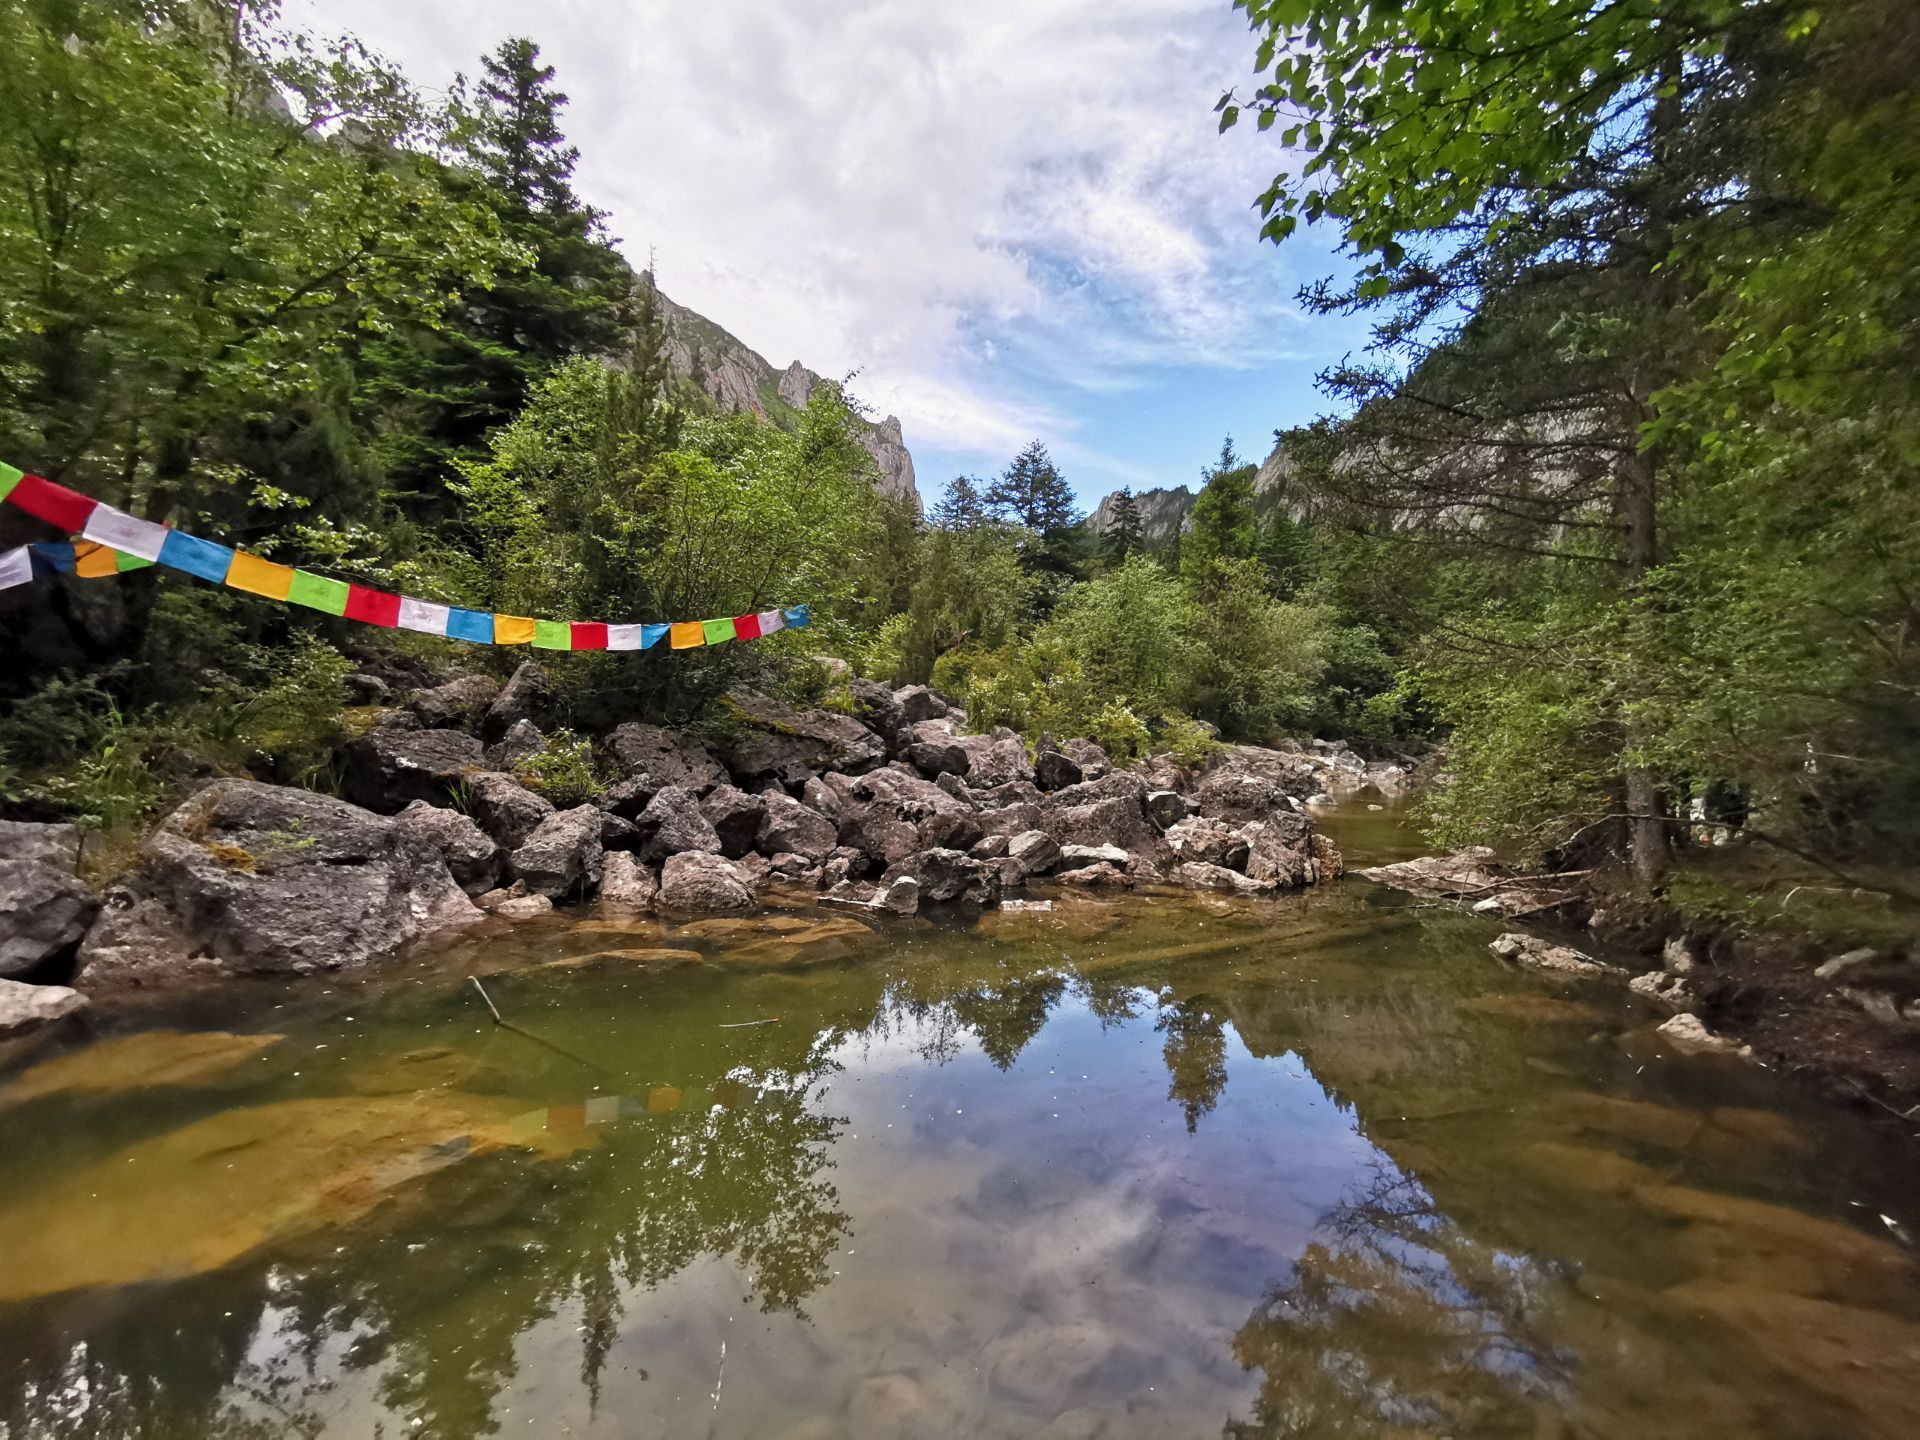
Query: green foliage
[(1255, 660), (1127, 631), (1032, 494), (562, 771), (1222, 529)]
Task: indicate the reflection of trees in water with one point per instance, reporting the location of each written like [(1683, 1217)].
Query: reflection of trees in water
[(1399, 1323), (1196, 1054)]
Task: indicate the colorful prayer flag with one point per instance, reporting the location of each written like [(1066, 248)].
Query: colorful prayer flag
[(589, 635), (372, 607), (260, 577), (317, 592), (746, 627), (552, 635), (52, 503), (512, 630), (93, 561), (627, 637), (798, 617), (51, 557), (652, 635), (423, 615), (124, 532), (16, 565), (9, 477), (687, 634), (126, 562), (771, 621), (196, 556), (718, 631), (471, 625)]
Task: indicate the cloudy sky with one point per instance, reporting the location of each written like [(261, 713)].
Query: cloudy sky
[(1014, 218)]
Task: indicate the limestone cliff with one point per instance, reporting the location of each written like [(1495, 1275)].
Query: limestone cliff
[(734, 377), (1164, 513)]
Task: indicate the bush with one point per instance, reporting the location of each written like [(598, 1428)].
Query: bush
[(562, 772)]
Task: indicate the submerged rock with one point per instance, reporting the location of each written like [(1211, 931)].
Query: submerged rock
[(137, 1062), (1539, 954), (1689, 1034)]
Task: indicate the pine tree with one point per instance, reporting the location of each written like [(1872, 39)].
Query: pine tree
[(1222, 528), (962, 508), (1125, 532), (1033, 493), (521, 147)]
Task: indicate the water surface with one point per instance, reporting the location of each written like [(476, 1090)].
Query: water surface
[(1130, 1167)]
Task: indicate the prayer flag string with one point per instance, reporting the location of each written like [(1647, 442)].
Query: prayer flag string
[(107, 542)]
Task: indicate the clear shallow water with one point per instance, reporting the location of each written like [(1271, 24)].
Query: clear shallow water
[(1132, 1167)]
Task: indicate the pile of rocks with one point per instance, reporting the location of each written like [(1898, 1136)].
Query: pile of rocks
[(892, 806)]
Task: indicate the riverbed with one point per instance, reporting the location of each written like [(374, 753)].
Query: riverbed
[(1120, 1165)]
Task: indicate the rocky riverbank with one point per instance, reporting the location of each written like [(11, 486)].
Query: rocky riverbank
[(886, 807), (1847, 1023)]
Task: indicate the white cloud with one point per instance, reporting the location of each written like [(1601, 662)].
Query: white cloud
[(952, 199)]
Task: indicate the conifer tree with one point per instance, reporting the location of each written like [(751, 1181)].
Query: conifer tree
[(1033, 493), (962, 507), (1222, 528), (521, 148), (1125, 533)]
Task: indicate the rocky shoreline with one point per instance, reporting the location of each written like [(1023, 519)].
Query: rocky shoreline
[(887, 807), (1847, 1024)]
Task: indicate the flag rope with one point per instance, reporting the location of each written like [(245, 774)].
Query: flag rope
[(107, 541)]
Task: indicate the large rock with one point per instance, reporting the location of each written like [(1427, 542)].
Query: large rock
[(387, 770), (26, 1008), (504, 808), (1079, 857), (672, 824), (1036, 851), (522, 741), (1120, 822), (788, 827), (996, 759), (44, 915), (874, 705), (471, 854), (1280, 850), (1198, 875), (1237, 796), (1199, 841), (775, 743), (518, 703), (934, 750), (140, 941), (270, 880), (627, 798), (1539, 954), (918, 703), (457, 705), (626, 884), (943, 875), (56, 845), (563, 857), (703, 883), (1055, 770), (735, 817), (889, 814), (817, 795), (1091, 759), (665, 758), (1166, 808)]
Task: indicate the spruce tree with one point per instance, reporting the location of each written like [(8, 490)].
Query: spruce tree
[(521, 148), (1125, 533), (1033, 493), (1222, 528), (962, 507)]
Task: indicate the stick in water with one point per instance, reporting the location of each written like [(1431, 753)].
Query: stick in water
[(475, 982), (742, 1024)]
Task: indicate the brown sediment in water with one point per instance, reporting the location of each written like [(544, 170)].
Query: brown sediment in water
[(134, 1062)]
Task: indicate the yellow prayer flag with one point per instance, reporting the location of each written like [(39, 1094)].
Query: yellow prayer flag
[(259, 577), (687, 634), (94, 561), (512, 630)]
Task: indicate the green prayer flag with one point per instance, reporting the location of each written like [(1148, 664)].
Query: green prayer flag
[(552, 635), (9, 477), (718, 631), (318, 593), (122, 561)]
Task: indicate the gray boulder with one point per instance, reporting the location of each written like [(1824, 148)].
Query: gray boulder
[(504, 808), (918, 703), (627, 798), (1199, 841), (26, 1008), (1079, 857), (1091, 759), (899, 896), (626, 884), (665, 758), (1237, 796), (875, 707), (140, 941), (1055, 770), (522, 741), (44, 915), (1166, 807), (472, 857), (819, 796), (457, 705), (1119, 822), (1198, 875), (945, 875), (997, 759), (990, 847), (1035, 850), (934, 750), (735, 817), (775, 743), (699, 882), (563, 856), (518, 702), (618, 834), (56, 845), (672, 824), (387, 770), (1014, 792), (1280, 850), (889, 814), (268, 880), (788, 827), (1117, 785)]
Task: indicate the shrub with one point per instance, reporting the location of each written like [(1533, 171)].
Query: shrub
[(562, 771)]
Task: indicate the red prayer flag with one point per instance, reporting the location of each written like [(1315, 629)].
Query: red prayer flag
[(589, 635), (55, 504), (374, 607), (746, 627)]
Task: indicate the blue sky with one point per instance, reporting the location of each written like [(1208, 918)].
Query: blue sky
[(1009, 219)]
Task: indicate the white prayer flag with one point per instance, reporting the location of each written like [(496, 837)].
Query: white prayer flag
[(772, 620), (16, 567), (623, 637), (422, 615), (120, 531)]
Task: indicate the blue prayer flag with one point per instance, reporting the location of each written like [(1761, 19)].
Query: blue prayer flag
[(196, 556), (797, 618), (474, 625), (651, 635)]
